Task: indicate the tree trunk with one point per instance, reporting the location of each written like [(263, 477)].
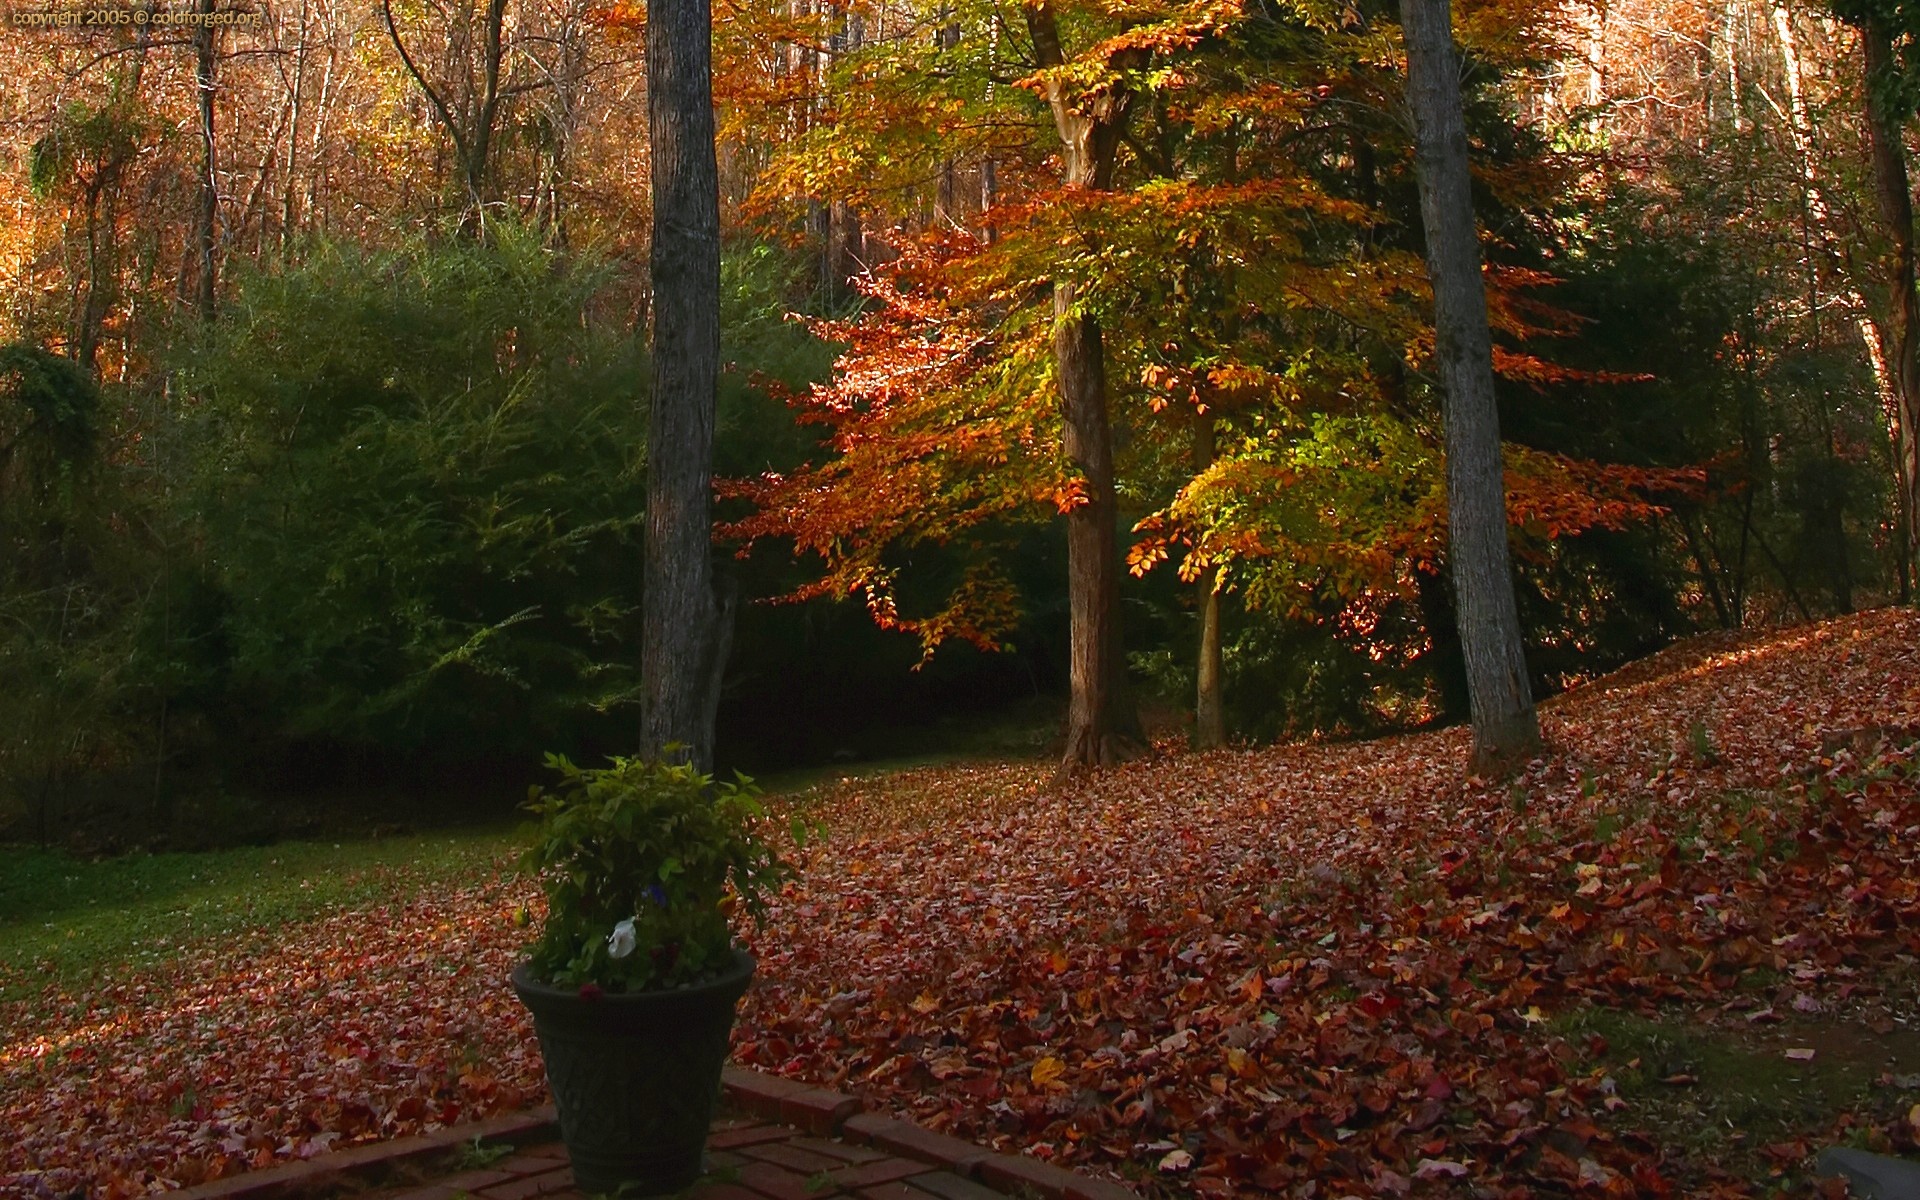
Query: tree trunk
[(296, 92), (1894, 193), (989, 196), (480, 141), (1102, 725), (1209, 703), (93, 308), (1888, 352), (471, 130), (1504, 726), (845, 250), (207, 216), (681, 642), (946, 204)]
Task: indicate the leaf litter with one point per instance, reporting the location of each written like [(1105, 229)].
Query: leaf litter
[(1307, 970)]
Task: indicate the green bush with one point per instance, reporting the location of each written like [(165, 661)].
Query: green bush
[(418, 479), (67, 608), (643, 864)]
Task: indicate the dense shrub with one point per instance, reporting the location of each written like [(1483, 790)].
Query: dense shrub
[(417, 482)]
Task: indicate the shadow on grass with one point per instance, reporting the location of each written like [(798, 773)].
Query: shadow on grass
[(1733, 1096), (63, 919)]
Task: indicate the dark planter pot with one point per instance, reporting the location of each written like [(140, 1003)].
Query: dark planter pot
[(635, 1076)]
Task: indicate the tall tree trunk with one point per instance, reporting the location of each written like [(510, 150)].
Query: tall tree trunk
[(207, 216), (317, 161), (1894, 193), (989, 172), (947, 194), (845, 238), (296, 92), (101, 235), (681, 642), (1102, 724), (1888, 352), (480, 147), (1504, 726), (1209, 702), (845, 250), (989, 197)]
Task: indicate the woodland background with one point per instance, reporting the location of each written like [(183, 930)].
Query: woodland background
[(322, 434)]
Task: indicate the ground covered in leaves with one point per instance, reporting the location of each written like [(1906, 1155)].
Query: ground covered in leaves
[(1308, 971)]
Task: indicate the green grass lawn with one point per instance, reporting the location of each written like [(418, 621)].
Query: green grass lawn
[(67, 920)]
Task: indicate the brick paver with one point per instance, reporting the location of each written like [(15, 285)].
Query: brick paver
[(792, 1157), (846, 1152), (893, 1189), (742, 1136), (544, 1182), (777, 1140), (948, 1186), (874, 1173), (778, 1183)]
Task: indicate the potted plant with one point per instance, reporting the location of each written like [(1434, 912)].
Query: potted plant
[(635, 977)]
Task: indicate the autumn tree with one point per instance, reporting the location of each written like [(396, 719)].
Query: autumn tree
[(1102, 727), (1086, 240), (83, 160)]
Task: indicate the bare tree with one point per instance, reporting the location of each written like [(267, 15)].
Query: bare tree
[(207, 215), (1894, 193), (1504, 725), (471, 129), (685, 630)]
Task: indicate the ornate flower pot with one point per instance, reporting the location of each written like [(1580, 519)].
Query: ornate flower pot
[(635, 1076)]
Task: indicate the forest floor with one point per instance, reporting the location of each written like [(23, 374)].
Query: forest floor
[(1675, 957)]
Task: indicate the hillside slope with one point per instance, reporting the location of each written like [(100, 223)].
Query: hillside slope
[(1337, 962), (1303, 970)]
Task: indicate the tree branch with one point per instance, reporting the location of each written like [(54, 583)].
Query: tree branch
[(433, 97)]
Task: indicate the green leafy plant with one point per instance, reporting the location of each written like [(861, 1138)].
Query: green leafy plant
[(475, 1155), (644, 864), (1701, 743)]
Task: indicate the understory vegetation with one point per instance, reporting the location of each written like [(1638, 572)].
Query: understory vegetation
[(323, 445)]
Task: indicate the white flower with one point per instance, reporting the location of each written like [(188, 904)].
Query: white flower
[(621, 942)]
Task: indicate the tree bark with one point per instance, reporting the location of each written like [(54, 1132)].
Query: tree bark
[(681, 641), (1504, 726), (946, 204), (1102, 725), (207, 216), (1209, 702), (1894, 193)]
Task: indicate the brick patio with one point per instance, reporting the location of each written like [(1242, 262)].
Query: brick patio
[(748, 1160), (776, 1140)]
